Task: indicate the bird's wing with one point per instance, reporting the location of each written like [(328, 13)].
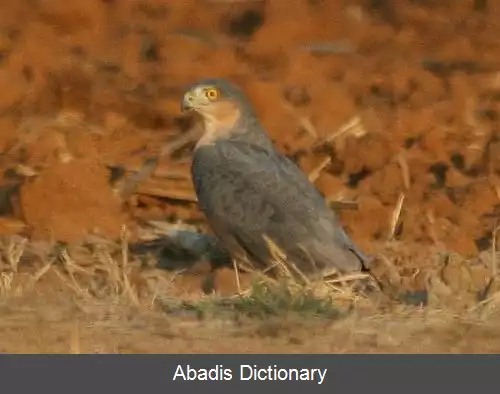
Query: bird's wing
[(263, 193), (328, 220)]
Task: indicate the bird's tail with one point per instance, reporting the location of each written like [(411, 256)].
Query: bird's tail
[(366, 261)]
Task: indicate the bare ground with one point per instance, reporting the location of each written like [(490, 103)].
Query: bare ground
[(61, 322), (105, 303)]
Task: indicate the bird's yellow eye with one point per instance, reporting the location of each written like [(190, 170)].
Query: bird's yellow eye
[(212, 93)]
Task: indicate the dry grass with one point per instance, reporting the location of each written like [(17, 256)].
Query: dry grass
[(96, 298)]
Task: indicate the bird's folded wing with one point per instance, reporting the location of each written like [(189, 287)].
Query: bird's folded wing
[(274, 189)]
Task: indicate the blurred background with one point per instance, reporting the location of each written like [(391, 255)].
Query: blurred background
[(389, 105)]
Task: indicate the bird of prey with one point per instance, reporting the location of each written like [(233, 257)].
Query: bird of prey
[(254, 197)]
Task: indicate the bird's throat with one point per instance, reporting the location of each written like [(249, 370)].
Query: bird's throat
[(219, 124)]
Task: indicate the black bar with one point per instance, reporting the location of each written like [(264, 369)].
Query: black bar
[(351, 374)]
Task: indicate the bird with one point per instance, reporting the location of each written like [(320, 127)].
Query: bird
[(255, 198)]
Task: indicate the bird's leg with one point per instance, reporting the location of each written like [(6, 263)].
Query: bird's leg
[(208, 286)]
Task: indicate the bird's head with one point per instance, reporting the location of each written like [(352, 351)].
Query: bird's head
[(215, 99), (209, 95), (225, 110)]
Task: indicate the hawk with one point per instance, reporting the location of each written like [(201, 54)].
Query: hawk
[(254, 197)]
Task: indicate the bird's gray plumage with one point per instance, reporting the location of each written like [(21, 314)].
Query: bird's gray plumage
[(247, 189)]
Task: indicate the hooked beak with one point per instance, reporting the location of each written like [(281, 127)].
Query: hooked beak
[(187, 103)]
